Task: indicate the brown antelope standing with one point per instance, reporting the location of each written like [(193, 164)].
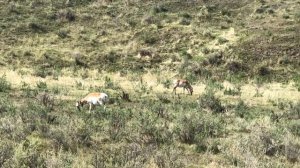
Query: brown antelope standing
[(184, 84), (93, 99)]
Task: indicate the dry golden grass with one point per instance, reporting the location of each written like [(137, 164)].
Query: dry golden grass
[(268, 92)]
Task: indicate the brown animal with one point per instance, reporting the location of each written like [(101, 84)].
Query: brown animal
[(184, 84)]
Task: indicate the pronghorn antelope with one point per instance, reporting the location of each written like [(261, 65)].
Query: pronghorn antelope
[(184, 84), (93, 99)]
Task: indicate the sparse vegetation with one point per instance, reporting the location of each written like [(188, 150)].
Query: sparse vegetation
[(242, 58), (4, 84)]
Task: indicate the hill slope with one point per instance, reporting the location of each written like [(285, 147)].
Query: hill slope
[(256, 38), (54, 52)]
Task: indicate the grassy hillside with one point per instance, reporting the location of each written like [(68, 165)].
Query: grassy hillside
[(242, 58), (256, 38)]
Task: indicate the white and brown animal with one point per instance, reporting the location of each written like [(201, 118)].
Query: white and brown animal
[(185, 84), (93, 99)]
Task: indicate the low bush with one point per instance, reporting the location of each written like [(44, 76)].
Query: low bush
[(6, 105), (210, 102), (5, 86), (222, 40), (6, 152), (196, 127), (232, 91), (241, 109)]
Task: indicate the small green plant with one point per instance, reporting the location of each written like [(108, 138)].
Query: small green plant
[(213, 85), (5, 86), (63, 33), (6, 106), (209, 34), (28, 91), (42, 72), (6, 152), (167, 83), (42, 86), (241, 109), (185, 21), (222, 40), (37, 28), (294, 127), (159, 9), (232, 91), (206, 50), (149, 38)]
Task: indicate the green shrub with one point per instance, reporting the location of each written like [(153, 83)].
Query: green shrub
[(201, 146), (42, 86), (185, 21), (63, 33), (66, 15), (215, 58), (205, 50), (169, 157), (123, 155), (42, 72), (196, 127), (294, 127), (37, 27), (210, 102), (232, 91), (5, 86), (6, 105), (167, 83), (27, 91), (241, 109), (293, 112), (149, 38), (28, 154), (159, 8), (209, 34), (6, 152), (222, 40), (117, 122)]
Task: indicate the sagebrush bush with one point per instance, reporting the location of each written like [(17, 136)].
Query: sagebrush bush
[(6, 152), (169, 157), (241, 109), (152, 130), (294, 127), (42, 71), (130, 155), (6, 105), (37, 27), (210, 102), (117, 123), (42, 86), (294, 112), (196, 127), (222, 40), (167, 83), (232, 91), (4, 84)]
